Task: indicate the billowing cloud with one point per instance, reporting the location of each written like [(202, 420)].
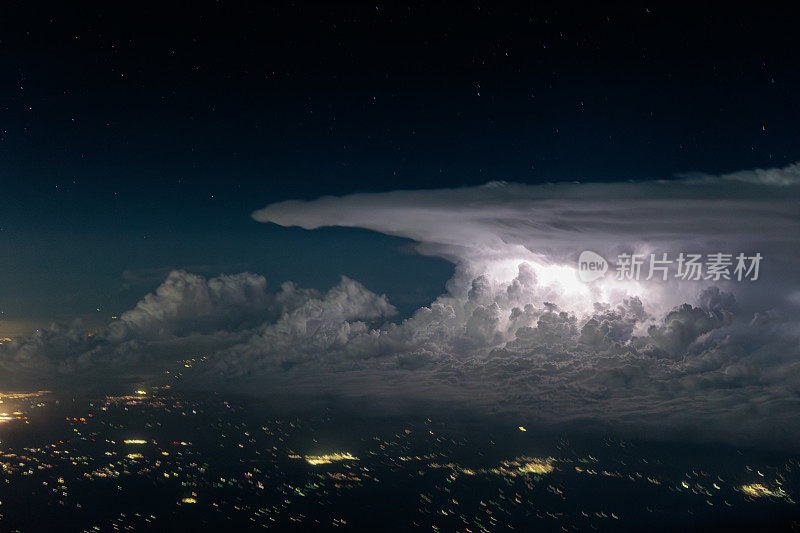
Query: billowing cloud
[(186, 312), (321, 326), (490, 230), (515, 330), (516, 319), (187, 302)]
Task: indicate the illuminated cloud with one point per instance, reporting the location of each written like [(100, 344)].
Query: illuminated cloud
[(516, 330), (488, 231)]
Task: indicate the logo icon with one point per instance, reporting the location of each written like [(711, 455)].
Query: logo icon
[(591, 266)]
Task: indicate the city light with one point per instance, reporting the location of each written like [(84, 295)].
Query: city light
[(329, 458)]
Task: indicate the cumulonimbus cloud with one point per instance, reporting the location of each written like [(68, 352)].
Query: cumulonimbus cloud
[(514, 313), (490, 230), (515, 328)]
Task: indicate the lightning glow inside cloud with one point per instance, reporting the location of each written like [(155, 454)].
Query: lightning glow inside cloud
[(516, 329), (491, 230)]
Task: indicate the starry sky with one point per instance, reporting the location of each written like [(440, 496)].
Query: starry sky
[(138, 138)]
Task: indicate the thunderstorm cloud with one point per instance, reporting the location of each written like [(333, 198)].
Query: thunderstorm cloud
[(515, 330)]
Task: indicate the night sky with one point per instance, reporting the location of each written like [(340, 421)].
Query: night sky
[(139, 138)]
